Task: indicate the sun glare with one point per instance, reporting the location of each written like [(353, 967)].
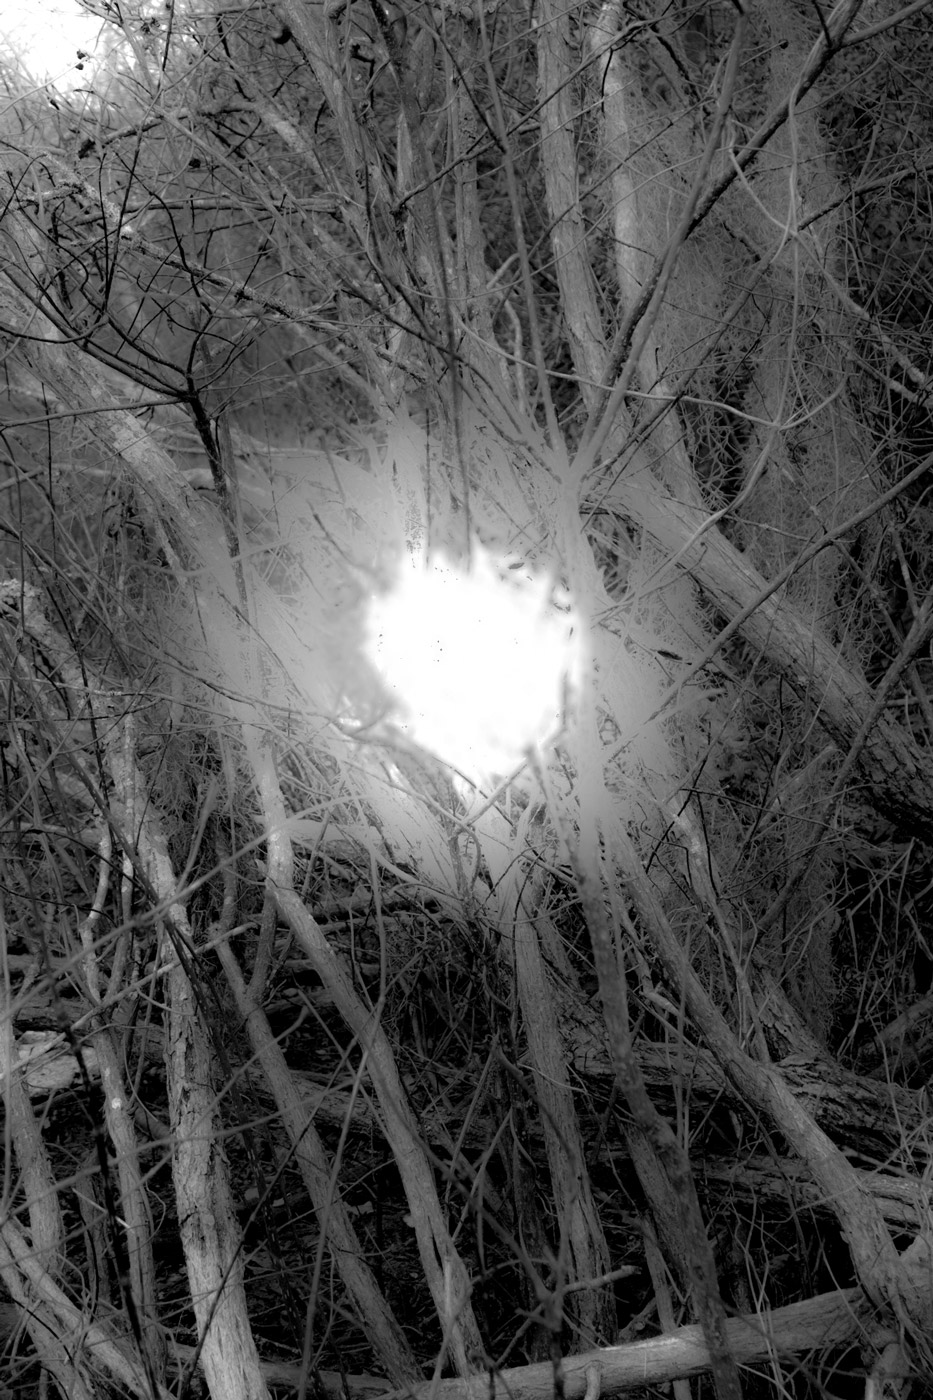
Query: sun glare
[(476, 662)]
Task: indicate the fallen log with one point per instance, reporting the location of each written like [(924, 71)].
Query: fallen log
[(825, 1321)]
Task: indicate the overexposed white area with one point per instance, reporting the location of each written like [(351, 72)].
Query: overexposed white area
[(475, 660), (45, 36)]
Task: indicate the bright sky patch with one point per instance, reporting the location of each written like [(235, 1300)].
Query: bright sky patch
[(475, 661), (47, 35)]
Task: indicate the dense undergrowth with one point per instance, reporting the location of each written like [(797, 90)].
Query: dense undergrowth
[(333, 1063)]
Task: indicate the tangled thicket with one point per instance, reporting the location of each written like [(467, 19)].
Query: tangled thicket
[(326, 1066)]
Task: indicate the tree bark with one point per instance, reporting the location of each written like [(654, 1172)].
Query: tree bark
[(898, 772)]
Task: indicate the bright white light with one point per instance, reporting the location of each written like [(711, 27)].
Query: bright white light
[(46, 36), (477, 662)]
